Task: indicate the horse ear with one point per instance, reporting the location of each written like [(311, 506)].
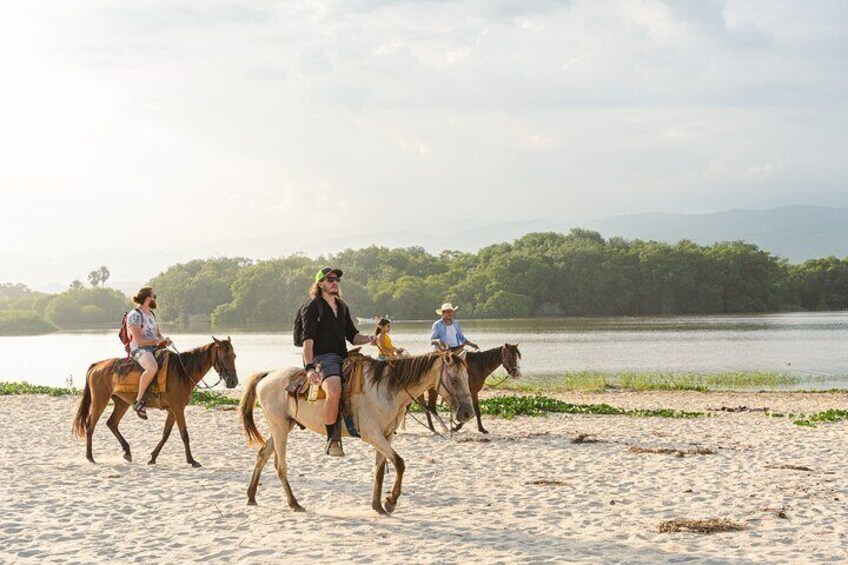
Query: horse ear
[(216, 340), (229, 339)]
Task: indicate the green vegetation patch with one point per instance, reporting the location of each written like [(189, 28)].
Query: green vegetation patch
[(7, 388), (511, 406), (211, 399), (17, 322), (206, 398), (833, 415)]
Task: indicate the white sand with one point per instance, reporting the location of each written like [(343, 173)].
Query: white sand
[(464, 501)]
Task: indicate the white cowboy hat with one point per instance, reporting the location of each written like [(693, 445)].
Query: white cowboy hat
[(446, 306)]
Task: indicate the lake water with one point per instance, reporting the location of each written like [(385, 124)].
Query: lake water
[(813, 347)]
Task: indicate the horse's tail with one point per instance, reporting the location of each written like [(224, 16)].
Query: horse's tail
[(80, 425), (248, 402)]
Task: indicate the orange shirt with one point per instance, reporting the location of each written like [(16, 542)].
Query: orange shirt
[(384, 344)]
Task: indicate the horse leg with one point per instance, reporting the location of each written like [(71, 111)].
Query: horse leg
[(431, 407), (476, 402), (121, 408), (380, 472), (383, 445), (280, 433), (179, 415), (166, 432), (97, 408), (262, 457)]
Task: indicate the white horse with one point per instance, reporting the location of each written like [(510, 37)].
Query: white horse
[(388, 388)]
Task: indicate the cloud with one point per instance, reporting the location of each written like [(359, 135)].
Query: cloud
[(512, 110)]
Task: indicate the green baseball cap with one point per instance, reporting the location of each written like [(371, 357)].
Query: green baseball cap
[(320, 275)]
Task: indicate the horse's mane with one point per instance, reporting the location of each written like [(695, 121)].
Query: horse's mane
[(402, 373), (194, 361), (485, 360)]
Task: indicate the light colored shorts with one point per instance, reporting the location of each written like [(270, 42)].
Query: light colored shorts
[(136, 355)]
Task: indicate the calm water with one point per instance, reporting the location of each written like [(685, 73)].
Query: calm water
[(813, 347)]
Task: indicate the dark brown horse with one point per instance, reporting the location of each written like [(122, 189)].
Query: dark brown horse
[(480, 366), (183, 372)]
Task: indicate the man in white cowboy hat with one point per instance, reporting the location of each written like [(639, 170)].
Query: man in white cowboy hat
[(446, 331)]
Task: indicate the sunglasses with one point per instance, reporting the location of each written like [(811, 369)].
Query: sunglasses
[(332, 279)]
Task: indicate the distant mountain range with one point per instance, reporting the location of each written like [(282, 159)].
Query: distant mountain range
[(797, 233), (794, 232)]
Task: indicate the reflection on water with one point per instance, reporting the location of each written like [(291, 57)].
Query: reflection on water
[(813, 347)]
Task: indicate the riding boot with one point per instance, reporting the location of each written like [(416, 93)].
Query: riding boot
[(334, 439)]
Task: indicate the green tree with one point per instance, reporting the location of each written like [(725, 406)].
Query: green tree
[(87, 307), (195, 289)]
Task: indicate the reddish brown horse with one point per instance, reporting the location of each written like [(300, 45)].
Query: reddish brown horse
[(480, 366), (183, 372)]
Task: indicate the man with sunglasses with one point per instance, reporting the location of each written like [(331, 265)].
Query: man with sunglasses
[(326, 325), (145, 339)]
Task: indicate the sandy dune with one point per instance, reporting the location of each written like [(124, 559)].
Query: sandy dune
[(526, 495)]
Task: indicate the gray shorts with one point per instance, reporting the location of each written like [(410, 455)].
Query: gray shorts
[(331, 364)]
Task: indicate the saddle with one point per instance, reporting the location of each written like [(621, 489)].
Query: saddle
[(352, 379), (126, 374), (352, 376)]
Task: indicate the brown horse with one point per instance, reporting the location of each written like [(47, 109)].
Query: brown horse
[(480, 366), (388, 388), (183, 371)]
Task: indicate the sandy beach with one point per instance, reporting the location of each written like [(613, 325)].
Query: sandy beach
[(523, 494)]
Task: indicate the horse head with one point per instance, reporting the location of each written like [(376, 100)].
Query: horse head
[(225, 361), (453, 385), (511, 357)]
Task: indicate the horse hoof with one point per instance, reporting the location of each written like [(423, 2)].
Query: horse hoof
[(482, 431), (251, 502), (379, 510), (128, 457), (91, 460), (152, 462), (298, 508), (195, 464), (390, 506)]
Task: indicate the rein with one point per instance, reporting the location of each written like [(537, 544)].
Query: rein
[(426, 411), (434, 413), (201, 381), (500, 382)]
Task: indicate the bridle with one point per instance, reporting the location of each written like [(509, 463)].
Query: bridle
[(202, 382), (506, 361)]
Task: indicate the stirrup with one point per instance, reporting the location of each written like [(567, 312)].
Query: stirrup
[(138, 406)]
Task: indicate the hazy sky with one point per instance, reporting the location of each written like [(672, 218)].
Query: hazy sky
[(176, 123)]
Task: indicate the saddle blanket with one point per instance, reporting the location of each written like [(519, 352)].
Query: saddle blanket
[(126, 374)]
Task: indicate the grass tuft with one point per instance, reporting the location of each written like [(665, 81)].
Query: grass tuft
[(594, 381)]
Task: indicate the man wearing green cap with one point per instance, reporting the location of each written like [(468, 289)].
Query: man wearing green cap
[(326, 325)]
